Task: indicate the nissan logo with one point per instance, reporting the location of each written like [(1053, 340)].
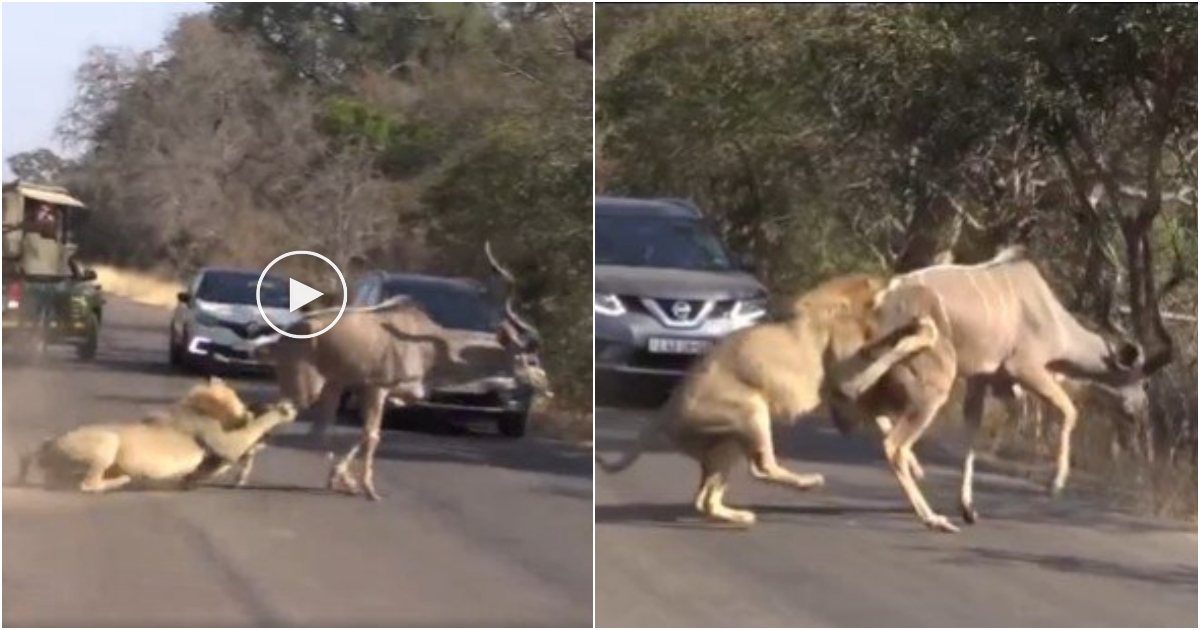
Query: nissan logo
[(681, 309)]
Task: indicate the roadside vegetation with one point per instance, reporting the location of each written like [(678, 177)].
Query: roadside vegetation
[(395, 136), (825, 139)]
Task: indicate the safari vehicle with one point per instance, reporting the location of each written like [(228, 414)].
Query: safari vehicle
[(48, 299)]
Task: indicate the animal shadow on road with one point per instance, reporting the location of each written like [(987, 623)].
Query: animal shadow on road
[(268, 487), (424, 437), (675, 515), (1178, 575)]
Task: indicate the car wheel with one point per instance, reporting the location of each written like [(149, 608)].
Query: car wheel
[(86, 350), (174, 352), (513, 424)]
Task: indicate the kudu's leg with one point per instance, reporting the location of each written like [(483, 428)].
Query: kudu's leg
[(714, 478), (373, 400), (885, 427), (246, 465), (339, 473), (854, 380), (763, 464), (973, 399), (1045, 385), (898, 447)]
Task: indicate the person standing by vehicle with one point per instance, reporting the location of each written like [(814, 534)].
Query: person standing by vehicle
[(42, 259)]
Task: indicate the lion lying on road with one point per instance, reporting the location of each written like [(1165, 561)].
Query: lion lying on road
[(723, 409), (200, 438)]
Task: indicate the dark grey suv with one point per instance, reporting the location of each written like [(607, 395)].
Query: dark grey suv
[(666, 288), (465, 306)]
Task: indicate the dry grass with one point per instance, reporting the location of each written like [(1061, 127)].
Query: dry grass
[(139, 286), (1163, 485)]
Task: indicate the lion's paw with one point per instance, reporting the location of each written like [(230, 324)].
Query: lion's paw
[(286, 408)]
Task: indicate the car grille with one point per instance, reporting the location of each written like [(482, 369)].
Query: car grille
[(466, 399), (228, 352), (721, 308), (243, 329)]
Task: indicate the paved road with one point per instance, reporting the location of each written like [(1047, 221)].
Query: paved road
[(853, 554), (474, 530)]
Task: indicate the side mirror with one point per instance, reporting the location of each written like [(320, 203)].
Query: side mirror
[(88, 275), (183, 297)]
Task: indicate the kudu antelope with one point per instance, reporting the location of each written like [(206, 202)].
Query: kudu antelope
[(1000, 325), (392, 350)]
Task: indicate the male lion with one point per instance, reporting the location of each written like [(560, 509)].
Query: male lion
[(196, 440), (778, 371)]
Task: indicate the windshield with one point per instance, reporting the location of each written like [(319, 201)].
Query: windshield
[(238, 288), (669, 242), (450, 307)]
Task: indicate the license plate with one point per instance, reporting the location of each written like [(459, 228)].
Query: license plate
[(678, 346)]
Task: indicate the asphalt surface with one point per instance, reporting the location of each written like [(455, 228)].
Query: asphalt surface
[(853, 553), (473, 529)]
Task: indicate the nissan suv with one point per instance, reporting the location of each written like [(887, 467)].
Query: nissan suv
[(666, 289)]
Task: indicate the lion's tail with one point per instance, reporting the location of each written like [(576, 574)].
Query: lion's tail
[(644, 439), (28, 458)]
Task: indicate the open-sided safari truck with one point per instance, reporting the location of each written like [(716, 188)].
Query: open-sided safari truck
[(48, 299)]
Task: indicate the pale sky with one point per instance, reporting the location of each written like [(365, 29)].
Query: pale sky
[(44, 42)]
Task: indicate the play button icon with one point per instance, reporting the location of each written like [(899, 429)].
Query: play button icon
[(300, 294)]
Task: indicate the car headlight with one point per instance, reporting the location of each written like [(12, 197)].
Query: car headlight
[(204, 318), (607, 304), (746, 311)]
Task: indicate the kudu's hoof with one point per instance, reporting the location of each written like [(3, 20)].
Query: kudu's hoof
[(733, 519), (969, 514), (340, 482), (939, 523)]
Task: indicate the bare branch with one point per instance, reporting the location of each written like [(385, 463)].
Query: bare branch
[(581, 45)]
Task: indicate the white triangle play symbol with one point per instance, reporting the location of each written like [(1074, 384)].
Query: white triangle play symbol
[(300, 294)]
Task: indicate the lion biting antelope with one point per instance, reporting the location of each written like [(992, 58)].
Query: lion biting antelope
[(776, 372), (890, 352), (206, 433)]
